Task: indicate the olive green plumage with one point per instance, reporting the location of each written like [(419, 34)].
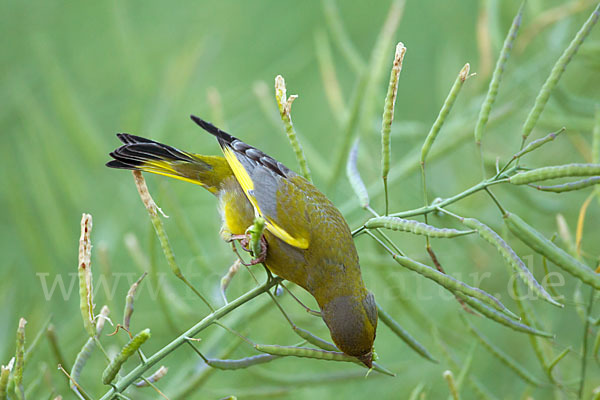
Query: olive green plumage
[(308, 240)]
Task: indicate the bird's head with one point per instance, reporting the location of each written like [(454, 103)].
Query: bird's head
[(352, 321)]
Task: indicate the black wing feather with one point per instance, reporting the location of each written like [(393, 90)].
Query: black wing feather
[(244, 149)]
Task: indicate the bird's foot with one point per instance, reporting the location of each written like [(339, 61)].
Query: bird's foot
[(244, 241)]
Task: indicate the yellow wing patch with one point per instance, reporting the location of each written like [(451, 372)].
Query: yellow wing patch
[(241, 175)]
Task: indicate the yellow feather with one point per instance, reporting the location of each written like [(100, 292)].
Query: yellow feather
[(163, 168), (247, 185)]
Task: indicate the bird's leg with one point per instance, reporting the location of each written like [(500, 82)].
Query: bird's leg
[(262, 256), (244, 241)]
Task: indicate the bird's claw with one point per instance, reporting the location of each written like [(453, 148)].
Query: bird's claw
[(245, 242)]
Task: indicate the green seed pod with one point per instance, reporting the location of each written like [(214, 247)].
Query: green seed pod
[(537, 143), (557, 171), (510, 257), (501, 318), (490, 97), (242, 362), (304, 352), (354, 177), (570, 186), (388, 111), (315, 340), (101, 319), (557, 71), (159, 228), (546, 248), (80, 361), (451, 284), (155, 377), (416, 227), (129, 299), (127, 351), (325, 345), (437, 125)]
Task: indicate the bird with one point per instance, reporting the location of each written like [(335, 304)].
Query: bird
[(308, 242)]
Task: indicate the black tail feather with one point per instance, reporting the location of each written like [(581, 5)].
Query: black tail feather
[(224, 137), (137, 150)]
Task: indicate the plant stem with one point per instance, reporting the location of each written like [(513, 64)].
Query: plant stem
[(137, 372), (427, 209)]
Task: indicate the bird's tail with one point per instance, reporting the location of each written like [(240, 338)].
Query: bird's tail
[(143, 154)]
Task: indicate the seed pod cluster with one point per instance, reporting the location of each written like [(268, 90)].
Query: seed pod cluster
[(545, 247), (510, 257)]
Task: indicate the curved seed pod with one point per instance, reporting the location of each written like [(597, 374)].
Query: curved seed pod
[(501, 318), (451, 284), (129, 299), (510, 257), (437, 125), (155, 377), (537, 143), (388, 113), (416, 227), (127, 351), (354, 176), (490, 97), (557, 71), (569, 186), (161, 233), (242, 362), (325, 345), (556, 171), (304, 352), (315, 340), (80, 361), (543, 246), (101, 319), (402, 334)]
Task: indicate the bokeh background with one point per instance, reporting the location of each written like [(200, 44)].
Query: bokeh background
[(75, 73)]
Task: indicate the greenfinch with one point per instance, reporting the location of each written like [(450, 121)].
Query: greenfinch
[(308, 241)]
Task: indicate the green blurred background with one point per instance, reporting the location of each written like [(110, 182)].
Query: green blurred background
[(76, 73)]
